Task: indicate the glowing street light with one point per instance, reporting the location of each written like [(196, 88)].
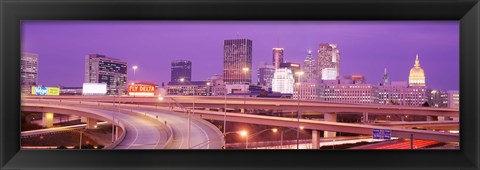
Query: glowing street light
[(243, 133)]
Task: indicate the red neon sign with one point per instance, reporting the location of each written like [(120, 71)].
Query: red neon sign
[(141, 88)]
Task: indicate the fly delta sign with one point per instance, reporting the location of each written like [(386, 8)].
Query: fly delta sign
[(382, 134)]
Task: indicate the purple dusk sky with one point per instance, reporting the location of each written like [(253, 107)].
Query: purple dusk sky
[(366, 47)]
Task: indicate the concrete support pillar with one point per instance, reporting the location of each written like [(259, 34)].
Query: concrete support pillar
[(242, 110), (365, 117), (117, 134), (431, 118), (47, 119), (402, 118), (207, 109), (29, 118), (83, 119), (315, 139), (330, 117), (91, 123), (443, 118)]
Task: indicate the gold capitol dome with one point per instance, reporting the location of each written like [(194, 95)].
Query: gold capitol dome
[(417, 75)]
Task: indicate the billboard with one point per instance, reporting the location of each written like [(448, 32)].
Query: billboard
[(142, 90), (45, 91), (94, 89)]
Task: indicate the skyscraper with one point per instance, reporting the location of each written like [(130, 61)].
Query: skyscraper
[(181, 69), (347, 91), (417, 75), (399, 93), (265, 75), (328, 61), (453, 98), (277, 57), (283, 81), (385, 76), (294, 67), (237, 61), (309, 67), (437, 98), (111, 71), (28, 71)]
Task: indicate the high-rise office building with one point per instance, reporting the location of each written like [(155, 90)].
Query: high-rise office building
[(417, 75), (453, 98), (355, 79), (295, 68), (111, 71), (399, 93), (181, 69), (28, 71), (283, 81), (277, 57), (237, 61), (437, 98), (348, 92), (306, 91), (328, 61), (309, 68), (265, 75)]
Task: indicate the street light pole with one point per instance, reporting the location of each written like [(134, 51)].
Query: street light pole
[(298, 107), (225, 119), (281, 134), (188, 113), (134, 78), (256, 134), (245, 70), (242, 133), (80, 144), (113, 115)]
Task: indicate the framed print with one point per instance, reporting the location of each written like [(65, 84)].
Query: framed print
[(239, 84)]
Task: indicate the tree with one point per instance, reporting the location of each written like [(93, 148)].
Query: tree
[(426, 104), (394, 102)]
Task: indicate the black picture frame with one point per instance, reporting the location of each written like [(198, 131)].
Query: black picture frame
[(14, 11)]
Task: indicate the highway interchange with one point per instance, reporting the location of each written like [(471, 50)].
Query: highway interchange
[(162, 125)]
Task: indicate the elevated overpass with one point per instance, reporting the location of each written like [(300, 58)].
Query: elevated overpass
[(311, 107), (443, 125), (307, 124)]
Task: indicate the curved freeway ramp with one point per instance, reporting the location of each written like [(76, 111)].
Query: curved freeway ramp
[(203, 135), (145, 128), (140, 132)]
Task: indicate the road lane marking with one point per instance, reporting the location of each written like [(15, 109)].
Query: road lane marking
[(206, 135)]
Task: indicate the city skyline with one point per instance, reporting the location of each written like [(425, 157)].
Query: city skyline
[(404, 41)]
